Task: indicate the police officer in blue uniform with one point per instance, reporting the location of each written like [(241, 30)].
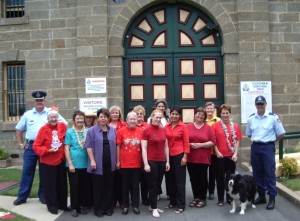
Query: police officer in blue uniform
[(30, 123), (264, 128)]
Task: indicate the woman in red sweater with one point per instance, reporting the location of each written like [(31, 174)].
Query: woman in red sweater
[(49, 145), (202, 139), (155, 154), (129, 160), (228, 135), (178, 141)]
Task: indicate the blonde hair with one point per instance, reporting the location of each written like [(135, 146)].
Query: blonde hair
[(139, 107), (115, 107)]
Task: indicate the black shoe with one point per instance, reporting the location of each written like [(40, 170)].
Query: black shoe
[(229, 201), (271, 203), (125, 211), (98, 214), (136, 211), (53, 211), (211, 196), (74, 213), (83, 210), (261, 199), (108, 213), (43, 201), (18, 202)]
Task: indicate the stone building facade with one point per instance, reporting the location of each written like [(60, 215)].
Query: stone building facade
[(62, 42)]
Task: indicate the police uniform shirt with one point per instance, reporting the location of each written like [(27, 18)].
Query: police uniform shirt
[(264, 129), (32, 121)]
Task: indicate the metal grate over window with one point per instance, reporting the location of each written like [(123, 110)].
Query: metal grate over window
[(15, 8), (15, 93)]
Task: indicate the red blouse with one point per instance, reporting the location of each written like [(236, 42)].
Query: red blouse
[(178, 139), (50, 135)]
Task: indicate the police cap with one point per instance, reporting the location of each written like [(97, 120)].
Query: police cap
[(260, 100), (39, 95)]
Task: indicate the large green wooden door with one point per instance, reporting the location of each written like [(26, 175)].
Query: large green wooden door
[(170, 53)]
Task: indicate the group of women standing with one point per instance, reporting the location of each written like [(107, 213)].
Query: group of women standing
[(93, 156)]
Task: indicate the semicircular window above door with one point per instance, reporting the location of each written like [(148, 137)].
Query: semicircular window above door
[(172, 52)]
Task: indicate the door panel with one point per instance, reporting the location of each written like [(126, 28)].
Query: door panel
[(170, 54)]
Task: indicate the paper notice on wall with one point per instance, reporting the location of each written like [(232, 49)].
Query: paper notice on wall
[(92, 104), (249, 91), (95, 85)]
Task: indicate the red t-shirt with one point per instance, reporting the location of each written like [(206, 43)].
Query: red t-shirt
[(178, 139), (202, 135), (130, 147), (143, 125), (221, 138), (156, 140), (45, 138)]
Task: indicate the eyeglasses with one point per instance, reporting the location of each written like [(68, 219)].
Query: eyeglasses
[(139, 114)]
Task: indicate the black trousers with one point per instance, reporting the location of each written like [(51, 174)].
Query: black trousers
[(144, 186), (177, 181), (103, 189), (118, 188), (211, 179), (155, 177), (80, 191), (198, 178), (55, 185), (221, 165), (130, 184)]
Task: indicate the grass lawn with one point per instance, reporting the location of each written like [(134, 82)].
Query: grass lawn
[(18, 217), (293, 184), (15, 176)]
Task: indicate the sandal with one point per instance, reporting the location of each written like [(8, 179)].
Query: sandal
[(194, 203), (179, 211), (220, 203), (170, 206), (201, 204)]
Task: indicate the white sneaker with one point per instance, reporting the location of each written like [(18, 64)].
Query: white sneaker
[(155, 213), (158, 210)]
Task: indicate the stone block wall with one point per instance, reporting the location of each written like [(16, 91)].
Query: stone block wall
[(65, 41)]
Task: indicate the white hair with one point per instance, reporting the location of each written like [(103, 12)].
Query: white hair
[(52, 112)]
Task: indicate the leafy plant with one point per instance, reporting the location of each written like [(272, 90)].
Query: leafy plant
[(3, 153), (288, 167)]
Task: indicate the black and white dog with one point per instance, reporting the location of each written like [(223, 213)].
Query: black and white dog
[(241, 188)]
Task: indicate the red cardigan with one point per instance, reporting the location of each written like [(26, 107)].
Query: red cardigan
[(43, 143)]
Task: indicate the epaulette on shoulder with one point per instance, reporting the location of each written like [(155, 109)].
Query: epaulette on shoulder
[(270, 113), (252, 115)]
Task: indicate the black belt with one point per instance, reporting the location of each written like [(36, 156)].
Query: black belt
[(263, 143), (29, 141)]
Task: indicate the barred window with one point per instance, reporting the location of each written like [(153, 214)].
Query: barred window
[(14, 91), (15, 8)]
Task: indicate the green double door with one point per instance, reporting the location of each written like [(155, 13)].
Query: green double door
[(171, 54)]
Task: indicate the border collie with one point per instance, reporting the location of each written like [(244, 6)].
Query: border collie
[(241, 188)]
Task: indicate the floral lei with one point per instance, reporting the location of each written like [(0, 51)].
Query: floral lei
[(80, 135), (233, 134)]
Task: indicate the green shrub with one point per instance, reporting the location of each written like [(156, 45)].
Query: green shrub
[(3, 154), (288, 167)]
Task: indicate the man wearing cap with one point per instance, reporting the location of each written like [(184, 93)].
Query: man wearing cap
[(30, 123), (264, 129)]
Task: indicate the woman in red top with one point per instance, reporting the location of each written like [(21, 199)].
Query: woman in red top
[(178, 141), (202, 139), (115, 121), (155, 154), (49, 145), (228, 135), (129, 159)]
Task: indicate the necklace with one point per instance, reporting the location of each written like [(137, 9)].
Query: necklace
[(233, 134), (80, 135)]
